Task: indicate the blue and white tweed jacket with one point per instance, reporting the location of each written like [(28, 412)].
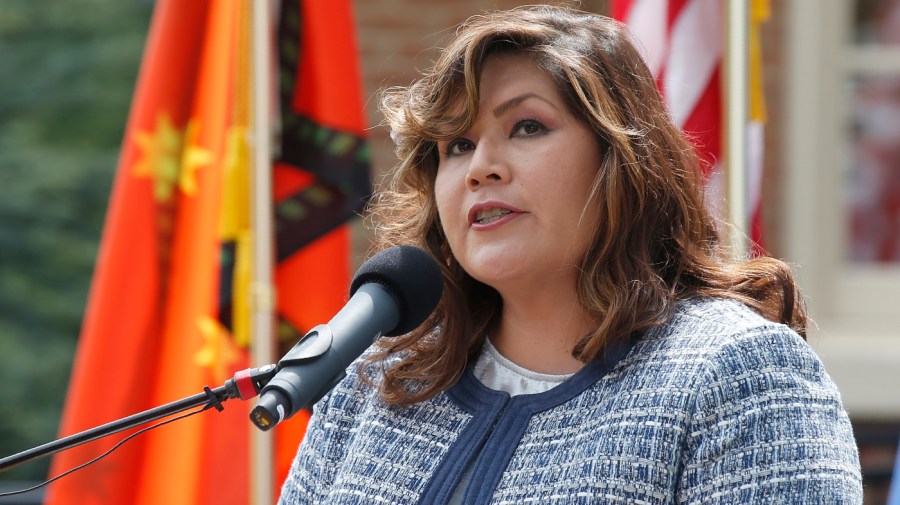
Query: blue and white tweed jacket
[(719, 406)]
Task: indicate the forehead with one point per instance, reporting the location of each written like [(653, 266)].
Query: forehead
[(501, 78), (506, 75)]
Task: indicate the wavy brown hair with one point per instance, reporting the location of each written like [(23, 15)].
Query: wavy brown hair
[(656, 243)]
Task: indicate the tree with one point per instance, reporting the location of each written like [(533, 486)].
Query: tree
[(68, 71)]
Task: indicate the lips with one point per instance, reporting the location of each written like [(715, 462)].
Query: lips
[(487, 213)]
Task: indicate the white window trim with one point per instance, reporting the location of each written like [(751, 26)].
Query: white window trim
[(856, 310)]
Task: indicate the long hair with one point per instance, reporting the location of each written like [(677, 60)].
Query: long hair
[(655, 243)]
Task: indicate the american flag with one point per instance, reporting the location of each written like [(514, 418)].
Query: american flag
[(683, 44)]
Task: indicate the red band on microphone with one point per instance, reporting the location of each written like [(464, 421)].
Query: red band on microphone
[(245, 384)]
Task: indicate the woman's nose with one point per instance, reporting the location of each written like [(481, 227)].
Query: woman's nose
[(487, 165)]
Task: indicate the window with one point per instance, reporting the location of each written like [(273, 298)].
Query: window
[(842, 200)]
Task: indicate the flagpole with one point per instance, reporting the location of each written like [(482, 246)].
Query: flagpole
[(262, 294), (736, 107)]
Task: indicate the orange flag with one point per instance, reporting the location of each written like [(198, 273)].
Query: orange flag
[(167, 311), (322, 177), (150, 334)]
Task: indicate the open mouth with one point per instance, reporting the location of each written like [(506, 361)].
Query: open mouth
[(488, 216)]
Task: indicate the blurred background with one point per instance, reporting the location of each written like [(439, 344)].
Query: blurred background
[(67, 74), (830, 188)]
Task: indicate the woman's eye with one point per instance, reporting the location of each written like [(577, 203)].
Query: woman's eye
[(528, 128), (459, 146)]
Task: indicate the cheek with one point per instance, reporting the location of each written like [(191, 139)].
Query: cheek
[(447, 202), (576, 203)]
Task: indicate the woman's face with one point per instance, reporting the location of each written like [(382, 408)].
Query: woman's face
[(512, 191)]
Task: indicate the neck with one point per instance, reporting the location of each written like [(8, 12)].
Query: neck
[(539, 331)]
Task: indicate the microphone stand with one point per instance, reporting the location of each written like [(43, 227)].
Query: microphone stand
[(244, 385)]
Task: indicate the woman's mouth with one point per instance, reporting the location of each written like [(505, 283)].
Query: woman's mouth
[(488, 216)]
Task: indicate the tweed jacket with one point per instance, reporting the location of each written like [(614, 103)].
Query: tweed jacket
[(717, 406)]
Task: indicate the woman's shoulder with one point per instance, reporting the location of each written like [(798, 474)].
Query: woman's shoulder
[(710, 336), (719, 316), (710, 325), (762, 405)]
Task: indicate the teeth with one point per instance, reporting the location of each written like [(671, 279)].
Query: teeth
[(490, 215)]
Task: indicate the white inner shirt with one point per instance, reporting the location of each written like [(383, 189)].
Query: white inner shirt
[(496, 372)]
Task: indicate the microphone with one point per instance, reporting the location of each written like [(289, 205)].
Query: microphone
[(391, 294)]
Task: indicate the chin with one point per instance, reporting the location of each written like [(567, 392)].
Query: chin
[(498, 271), (498, 275)]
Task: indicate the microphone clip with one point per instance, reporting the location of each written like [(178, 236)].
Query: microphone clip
[(312, 346)]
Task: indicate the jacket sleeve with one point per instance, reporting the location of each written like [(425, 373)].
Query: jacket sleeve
[(769, 427)]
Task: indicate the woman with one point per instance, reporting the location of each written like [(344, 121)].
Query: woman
[(594, 342)]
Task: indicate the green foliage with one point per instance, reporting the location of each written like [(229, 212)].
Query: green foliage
[(67, 72)]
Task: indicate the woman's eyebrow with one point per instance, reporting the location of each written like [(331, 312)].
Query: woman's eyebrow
[(512, 102)]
